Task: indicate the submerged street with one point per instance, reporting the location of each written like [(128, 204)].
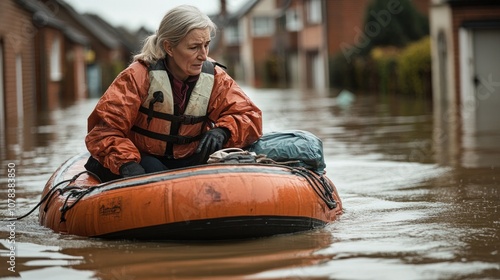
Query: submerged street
[(405, 214)]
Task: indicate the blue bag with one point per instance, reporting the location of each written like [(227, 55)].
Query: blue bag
[(290, 145)]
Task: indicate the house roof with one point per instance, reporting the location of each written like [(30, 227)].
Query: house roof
[(104, 36), (242, 11), (122, 35), (231, 19), (43, 16)]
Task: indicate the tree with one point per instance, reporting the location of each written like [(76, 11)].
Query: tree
[(393, 23)]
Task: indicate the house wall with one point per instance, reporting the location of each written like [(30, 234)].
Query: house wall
[(75, 87), (422, 6), (246, 51), (256, 50), (443, 53), (468, 13), (443, 84), (464, 121), (106, 58), (313, 50), (17, 37), (345, 18), (311, 47), (49, 90), (341, 28), (312, 38), (261, 51)]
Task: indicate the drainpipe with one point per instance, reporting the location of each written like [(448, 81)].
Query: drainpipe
[(223, 9)]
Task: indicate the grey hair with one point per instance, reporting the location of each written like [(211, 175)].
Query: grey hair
[(174, 26)]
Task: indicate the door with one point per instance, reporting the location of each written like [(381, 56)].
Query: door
[(486, 54), (480, 90), (94, 81)]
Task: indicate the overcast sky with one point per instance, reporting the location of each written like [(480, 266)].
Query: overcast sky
[(136, 13)]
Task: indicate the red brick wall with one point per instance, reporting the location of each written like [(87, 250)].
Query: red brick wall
[(74, 84), (262, 47), (312, 37), (17, 35), (344, 18), (422, 6), (49, 89), (468, 13), (104, 56)]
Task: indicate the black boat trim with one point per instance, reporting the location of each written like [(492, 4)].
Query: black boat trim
[(240, 227)]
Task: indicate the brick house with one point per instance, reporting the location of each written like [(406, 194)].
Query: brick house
[(226, 45), (105, 53), (60, 58), (17, 82), (292, 41), (466, 77), (41, 59)]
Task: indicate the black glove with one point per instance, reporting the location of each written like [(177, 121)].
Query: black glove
[(131, 169), (212, 141)]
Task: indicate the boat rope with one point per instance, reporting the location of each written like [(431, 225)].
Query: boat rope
[(236, 155), (77, 193), (50, 194), (319, 184)]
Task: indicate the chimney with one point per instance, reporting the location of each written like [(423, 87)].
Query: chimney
[(223, 9)]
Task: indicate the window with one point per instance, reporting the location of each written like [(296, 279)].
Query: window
[(262, 26), (232, 35), (293, 20), (314, 11), (55, 60)]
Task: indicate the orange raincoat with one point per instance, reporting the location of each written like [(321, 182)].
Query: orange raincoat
[(109, 125)]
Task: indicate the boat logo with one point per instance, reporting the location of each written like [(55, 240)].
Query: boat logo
[(111, 207)]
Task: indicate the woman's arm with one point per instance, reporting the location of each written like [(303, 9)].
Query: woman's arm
[(115, 113)]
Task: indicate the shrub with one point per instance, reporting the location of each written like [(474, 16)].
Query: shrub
[(414, 68), (399, 29), (352, 74), (384, 60), (386, 69)]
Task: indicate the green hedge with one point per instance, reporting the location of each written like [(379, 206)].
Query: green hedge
[(414, 68), (386, 70), (385, 61)]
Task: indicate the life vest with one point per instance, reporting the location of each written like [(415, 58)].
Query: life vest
[(157, 129)]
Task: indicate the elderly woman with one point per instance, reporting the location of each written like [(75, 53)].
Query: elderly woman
[(171, 107)]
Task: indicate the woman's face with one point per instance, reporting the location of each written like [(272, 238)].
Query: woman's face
[(187, 57)]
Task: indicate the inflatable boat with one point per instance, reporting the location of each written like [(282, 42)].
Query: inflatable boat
[(205, 202)]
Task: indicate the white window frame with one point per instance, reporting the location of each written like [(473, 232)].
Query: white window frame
[(55, 60), (314, 11), (293, 20), (232, 35), (263, 26)]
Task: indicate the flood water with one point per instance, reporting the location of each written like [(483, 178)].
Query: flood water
[(406, 217)]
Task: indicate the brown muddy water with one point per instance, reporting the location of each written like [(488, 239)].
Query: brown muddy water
[(406, 216)]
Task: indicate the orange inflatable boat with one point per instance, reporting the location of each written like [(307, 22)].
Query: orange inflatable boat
[(207, 202)]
